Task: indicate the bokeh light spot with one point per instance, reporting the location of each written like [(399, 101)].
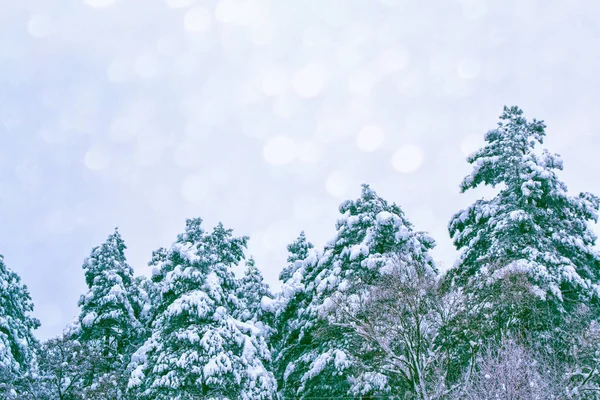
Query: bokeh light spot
[(309, 81), (168, 45), (179, 3), (119, 71), (394, 60), (196, 129), (274, 82), (279, 150), (99, 3), (53, 135), (228, 11), (146, 66), (284, 106), (186, 153), (307, 208), (198, 19), (469, 69), (407, 158), (97, 158), (474, 9), (338, 184), (195, 189), (331, 129), (308, 152), (370, 138), (363, 80), (39, 26), (123, 129)]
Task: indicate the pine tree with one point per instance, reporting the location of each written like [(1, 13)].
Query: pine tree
[(373, 238), (297, 251), (17, 341), (251, 291), (288, 308), (527, 253), (145, 299), (197, 348), (109, 321)]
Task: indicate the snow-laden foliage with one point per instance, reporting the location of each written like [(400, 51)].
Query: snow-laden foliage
[(298, 250), (63, 368), (17, 341), (111, 308), (367, 316), (109, 323), (532, 227), (197, 348), (289, 308), (251, 291), (146, 295), (370, 235), (527, 254)]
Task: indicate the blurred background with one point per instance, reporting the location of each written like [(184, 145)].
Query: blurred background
[(265, 115)]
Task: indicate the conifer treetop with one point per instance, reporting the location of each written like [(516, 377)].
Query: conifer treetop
[(109, 302), (198, 347), (532, 226), (17, 341), (373, 239), (298, 251)]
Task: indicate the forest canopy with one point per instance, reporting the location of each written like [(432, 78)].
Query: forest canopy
[(367, 316)]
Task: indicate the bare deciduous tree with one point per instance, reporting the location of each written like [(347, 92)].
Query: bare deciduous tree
[(395, 323), (67, 370), (509, 372)]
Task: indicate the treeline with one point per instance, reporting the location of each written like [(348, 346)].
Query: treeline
[(368, 316)]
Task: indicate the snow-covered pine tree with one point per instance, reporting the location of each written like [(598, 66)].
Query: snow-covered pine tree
[(145, 299), (251, 290), (17, 341), (289, 308), (527, 254), (151, 286), (109, 321), (373, 238), (298, 250), (197, 348)]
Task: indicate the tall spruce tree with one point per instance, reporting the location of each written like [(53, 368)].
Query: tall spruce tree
[(251, 291), (527, 256), (289, 309), (109, 322), (298, 250), (197, 348), (17, 341), (372, 238)]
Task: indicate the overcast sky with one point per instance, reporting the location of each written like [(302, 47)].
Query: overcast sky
[(265, 114)]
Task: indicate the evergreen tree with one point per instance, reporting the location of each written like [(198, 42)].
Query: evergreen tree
[(297, 251), (289, 308), (17, 341), (527, 254), (151, 286), (109, 322), (373, 238), (197, 348), (251, 291), (145, 299)]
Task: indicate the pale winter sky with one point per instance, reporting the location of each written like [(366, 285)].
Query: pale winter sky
[(265, 114)]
